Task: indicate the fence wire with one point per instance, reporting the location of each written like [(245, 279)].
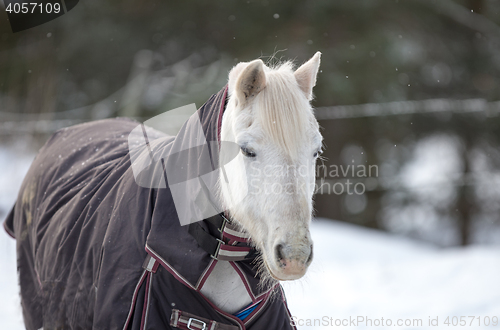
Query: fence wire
[(13, 123), (489, 109)]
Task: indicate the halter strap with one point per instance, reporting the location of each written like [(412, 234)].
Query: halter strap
[(219, 247)]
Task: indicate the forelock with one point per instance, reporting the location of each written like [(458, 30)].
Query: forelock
[(283, 110)]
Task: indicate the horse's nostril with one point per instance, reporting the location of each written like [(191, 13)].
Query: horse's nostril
[(310, 258), (279, 253)]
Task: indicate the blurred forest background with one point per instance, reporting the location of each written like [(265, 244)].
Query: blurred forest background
[(411, 86)]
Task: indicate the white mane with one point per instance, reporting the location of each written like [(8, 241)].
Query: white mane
[(282, 109)]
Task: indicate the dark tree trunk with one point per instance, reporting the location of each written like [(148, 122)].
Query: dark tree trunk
[(464, 201)]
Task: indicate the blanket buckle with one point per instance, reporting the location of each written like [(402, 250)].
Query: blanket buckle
[(219, 243), (192, 322)]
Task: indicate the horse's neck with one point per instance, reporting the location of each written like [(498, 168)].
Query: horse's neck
[(225, 288)]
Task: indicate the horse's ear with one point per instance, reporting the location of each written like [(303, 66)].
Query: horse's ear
[(251, 81), (306, 75)]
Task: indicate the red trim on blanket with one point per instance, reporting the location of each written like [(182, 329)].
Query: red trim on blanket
[(286, 307), (146, 302), (177, 276), (155, 266), (220, 311), (260, 297), (134, 298), (244, 280), (169, 268), (221, 112), (11, 234), (206, 274), (262, 305)]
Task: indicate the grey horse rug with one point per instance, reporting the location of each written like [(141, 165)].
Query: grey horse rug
[(102, 247)]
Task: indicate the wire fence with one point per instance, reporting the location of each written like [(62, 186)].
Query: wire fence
[(14, 123), (489, 109)]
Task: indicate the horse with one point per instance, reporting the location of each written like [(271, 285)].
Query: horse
[(100, 239)]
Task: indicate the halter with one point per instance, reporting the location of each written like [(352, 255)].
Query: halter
[(230, 245)]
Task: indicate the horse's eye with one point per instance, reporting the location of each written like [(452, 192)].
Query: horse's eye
[(247, 152)]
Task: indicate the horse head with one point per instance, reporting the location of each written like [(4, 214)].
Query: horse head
[(269, 116)]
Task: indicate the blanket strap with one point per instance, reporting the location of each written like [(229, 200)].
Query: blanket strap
[(218, 247), (187, 321), (150, 264)]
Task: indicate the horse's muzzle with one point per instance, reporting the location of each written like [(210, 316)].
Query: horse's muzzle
[(292, 260)]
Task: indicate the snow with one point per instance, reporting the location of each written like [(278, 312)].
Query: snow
[(356, 272), (360, 272), (14, 165)]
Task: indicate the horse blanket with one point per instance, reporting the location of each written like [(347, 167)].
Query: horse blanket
[(99, 249)]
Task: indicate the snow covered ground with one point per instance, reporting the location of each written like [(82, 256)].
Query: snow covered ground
[(13, 166), (357, 273), (360, 272)]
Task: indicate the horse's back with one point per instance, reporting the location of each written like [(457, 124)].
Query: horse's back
[(58, 159), (68, 160), (61, 217)]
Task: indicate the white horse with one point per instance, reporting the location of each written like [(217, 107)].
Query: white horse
[(269, 116), (91, 239)]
